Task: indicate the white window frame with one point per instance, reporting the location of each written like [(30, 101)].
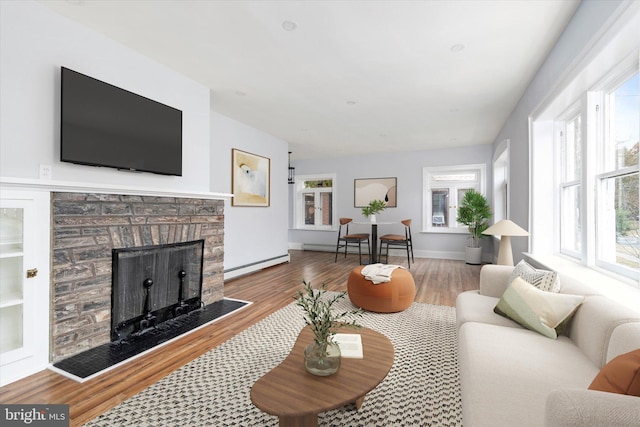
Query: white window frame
[(501, 166), (577, 110), (298, 216), (427, 186), (600, 106)]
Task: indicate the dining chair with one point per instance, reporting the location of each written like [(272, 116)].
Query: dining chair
[(346, 239), (399, 240)]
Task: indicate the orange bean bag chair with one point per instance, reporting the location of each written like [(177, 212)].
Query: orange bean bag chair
[(389, 297)]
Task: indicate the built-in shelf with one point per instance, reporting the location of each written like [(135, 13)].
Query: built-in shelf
[(11, 254), (81, 187), (11, 303)]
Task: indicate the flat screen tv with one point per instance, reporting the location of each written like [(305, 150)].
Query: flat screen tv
[(103, 125)]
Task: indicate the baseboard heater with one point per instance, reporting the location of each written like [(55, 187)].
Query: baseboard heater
[(255, 266)]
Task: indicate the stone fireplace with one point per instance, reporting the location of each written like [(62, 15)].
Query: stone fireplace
[(85, 229)]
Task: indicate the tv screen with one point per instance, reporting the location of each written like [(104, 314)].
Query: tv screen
[(103, 125)]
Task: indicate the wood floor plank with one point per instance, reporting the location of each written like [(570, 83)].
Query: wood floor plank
[(437, 282)]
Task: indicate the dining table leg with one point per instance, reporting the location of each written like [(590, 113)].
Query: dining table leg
[(374, 243)]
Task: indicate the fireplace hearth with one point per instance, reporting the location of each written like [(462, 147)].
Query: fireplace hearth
[(156, 297), (91, 363)]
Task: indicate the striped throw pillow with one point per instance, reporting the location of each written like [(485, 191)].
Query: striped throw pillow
[(544, 280)]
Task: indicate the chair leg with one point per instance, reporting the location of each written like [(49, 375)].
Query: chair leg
[(408, 260)]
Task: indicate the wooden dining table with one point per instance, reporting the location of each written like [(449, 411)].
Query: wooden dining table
[(297, 397)]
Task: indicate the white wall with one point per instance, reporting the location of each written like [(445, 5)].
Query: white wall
[(590, 16), (34, 43), (408, 168), (252, 234)]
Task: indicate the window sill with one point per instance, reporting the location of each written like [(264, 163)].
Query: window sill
[(333, 230), (624, 291), (445, 230)]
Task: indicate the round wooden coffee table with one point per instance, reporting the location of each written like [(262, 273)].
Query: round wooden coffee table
[(297, 397)]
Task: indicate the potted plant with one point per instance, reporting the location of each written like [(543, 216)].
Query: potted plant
[(322, 357), (474, 212), (374, 207)]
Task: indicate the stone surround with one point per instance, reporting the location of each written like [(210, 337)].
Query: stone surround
[(87, 226)]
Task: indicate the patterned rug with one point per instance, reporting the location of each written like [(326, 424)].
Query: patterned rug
[(422, 388)]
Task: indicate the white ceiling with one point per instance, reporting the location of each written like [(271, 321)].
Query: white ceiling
[(354, 76)]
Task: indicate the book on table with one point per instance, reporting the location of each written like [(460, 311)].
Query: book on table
[(350, 345)]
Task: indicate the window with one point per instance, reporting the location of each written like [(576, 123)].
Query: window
[(570, 143), (314, 207), (583, 158), (588, 202), (617, 193), (501, 182), (444, 187)]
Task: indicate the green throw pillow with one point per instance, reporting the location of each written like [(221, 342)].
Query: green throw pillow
[(540, 311)]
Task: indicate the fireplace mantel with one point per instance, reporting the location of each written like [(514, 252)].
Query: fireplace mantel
[(81, 187)]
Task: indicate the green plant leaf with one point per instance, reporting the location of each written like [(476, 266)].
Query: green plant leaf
[(474, 212)]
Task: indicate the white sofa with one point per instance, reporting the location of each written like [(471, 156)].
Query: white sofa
[(511, 376)]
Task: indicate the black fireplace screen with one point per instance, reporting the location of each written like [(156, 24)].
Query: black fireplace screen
[(152, 284)]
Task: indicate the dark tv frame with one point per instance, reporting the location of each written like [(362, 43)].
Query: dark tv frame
[(136, 150)]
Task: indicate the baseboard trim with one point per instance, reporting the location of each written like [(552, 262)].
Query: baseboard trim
[(487, 257), (255, 266)]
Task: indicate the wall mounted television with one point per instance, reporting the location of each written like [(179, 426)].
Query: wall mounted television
[(104, 125)]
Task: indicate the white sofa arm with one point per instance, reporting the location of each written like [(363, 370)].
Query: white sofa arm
[(584, 408), (494, 279)]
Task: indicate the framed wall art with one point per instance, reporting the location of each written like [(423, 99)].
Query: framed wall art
[(368, 189), (250, 179)]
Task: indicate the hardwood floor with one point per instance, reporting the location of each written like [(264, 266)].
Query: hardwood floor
[(437, 282)]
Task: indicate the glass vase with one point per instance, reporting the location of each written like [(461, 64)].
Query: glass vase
[(322, 358)]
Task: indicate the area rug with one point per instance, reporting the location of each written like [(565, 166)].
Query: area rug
[(422, 388)]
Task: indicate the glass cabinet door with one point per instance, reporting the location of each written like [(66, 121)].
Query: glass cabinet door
[(24, 291), (11, 281)]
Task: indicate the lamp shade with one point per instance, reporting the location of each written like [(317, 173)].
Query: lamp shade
[(506, 227)]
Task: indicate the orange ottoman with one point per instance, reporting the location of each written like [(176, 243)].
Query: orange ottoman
[(389, 297)]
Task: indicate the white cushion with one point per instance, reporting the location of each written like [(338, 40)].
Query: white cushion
[(506, 374), (473, 307)]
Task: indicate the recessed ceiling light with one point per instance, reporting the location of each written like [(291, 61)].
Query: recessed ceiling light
[(457, 48), (289, 25)]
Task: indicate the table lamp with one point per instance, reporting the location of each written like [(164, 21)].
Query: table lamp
[(505, 229)]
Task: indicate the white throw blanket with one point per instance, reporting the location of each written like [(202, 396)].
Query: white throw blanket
[(379, 273)]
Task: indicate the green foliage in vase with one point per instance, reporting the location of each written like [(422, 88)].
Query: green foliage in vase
[(374, 207), (474, 212), (317, 307)]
